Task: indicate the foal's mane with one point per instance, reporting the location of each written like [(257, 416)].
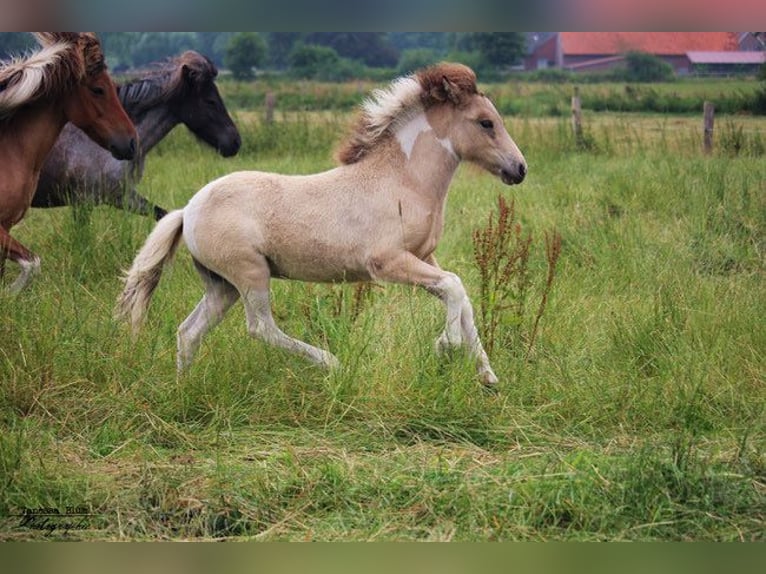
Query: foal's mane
[(387, 108), (65, 58), (166, 80)]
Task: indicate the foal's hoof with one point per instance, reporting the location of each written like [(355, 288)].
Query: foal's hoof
[(488, 380), (490, 389), (330, 361)]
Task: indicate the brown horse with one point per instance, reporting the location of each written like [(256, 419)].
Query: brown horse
[(379, 216), (181, 90), (65, 81)]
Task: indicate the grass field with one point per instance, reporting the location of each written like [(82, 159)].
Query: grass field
[(636, 414)]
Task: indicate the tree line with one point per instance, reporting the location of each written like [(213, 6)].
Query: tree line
[(318, 55)]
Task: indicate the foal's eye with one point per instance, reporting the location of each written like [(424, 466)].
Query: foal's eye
[(97, 90), (486, 124)]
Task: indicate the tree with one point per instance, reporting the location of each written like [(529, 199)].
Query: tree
[(137, 49), (309, 61), (213, 45), (415, 58), (246, 51), (280, 46), (434, 41), (117, 47), (499, 49), (372, 48), (157, 46)]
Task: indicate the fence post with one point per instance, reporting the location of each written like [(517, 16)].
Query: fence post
[(271, 102), (709, 115), (576, 115)]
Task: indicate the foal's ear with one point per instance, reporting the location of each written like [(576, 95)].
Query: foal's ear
[(451, 90)]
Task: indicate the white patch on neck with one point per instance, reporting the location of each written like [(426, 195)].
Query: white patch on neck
[(408, 133)]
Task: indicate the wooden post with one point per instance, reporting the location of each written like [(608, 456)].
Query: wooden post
[(271, 102), (709, 114), (576, 115)]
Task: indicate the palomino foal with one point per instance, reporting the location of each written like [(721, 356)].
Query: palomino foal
[(379, 216)]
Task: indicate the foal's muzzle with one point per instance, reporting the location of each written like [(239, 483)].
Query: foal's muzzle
[(511, 177)]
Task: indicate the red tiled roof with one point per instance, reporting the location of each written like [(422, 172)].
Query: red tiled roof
[(659, 43)]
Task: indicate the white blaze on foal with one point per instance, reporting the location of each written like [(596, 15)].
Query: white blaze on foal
[(407, 135)]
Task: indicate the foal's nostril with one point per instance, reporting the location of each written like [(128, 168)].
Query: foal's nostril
[(522, 172)]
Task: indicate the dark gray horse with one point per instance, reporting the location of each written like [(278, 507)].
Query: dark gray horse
[(181, 90)]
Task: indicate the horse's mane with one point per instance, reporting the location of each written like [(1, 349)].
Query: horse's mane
[(166, 80), (64, 59), (386, 108)]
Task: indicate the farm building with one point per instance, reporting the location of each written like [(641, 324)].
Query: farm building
[(725, 63), (687, 52)]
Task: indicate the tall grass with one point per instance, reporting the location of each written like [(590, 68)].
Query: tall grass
[(639, 416)]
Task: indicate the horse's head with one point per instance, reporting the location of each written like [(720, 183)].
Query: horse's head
[(474, 127), (198, 105), (93, 104)]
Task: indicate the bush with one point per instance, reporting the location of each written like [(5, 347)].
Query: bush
[(643, 67), (323, 63), (759, 99), (552, 76)]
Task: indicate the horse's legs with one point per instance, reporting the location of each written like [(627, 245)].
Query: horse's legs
[(261, 324), (219, 296), (253, 285), (133, 201), (159, 213), (460, 328), (452, 334), (15, 251)]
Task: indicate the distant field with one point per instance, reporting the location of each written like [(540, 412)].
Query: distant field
[(637, 413), (514, 97)]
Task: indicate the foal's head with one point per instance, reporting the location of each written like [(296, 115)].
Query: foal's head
[(457, 110), (92, 103)]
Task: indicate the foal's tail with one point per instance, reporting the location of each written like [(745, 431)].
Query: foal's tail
[(144, 275)]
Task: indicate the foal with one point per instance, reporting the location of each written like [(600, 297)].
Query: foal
[(379, 216)]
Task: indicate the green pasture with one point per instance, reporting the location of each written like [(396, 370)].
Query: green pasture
[(636, 413), (517, 98)]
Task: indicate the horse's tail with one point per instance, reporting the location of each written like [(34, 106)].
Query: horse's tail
[(142, 278)]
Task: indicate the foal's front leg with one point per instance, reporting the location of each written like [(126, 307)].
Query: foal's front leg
[(467, 328), (460, 328), (452, 335)]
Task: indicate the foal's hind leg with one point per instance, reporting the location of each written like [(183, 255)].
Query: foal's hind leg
[(219, 296), (253, 284), (261, 324)]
